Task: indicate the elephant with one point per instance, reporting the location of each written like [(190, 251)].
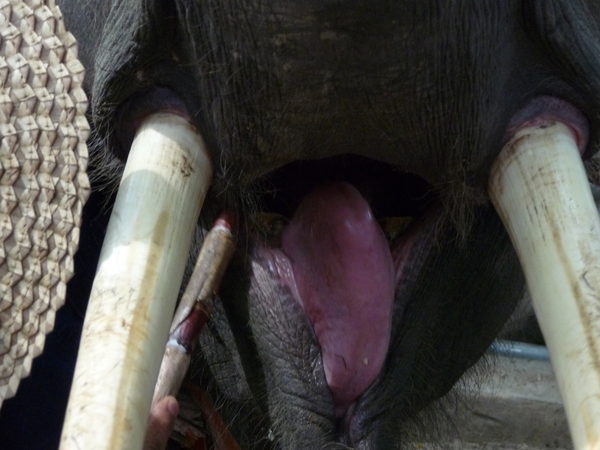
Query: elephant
[(326, 123)]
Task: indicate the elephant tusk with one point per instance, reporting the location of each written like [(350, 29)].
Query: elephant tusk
[(539, 188), (133, 297)]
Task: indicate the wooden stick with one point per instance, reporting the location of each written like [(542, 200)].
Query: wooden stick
[(195, 307), (145, 250), (540, 190)]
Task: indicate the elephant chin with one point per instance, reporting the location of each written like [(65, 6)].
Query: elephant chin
[(540, 190), (164, 184)]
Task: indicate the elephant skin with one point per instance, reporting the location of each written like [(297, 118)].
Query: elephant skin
[(402, 104)]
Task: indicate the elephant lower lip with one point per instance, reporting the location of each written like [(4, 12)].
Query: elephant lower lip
[(336, 262)]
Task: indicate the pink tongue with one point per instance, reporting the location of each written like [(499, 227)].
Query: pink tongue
[(345, 276)]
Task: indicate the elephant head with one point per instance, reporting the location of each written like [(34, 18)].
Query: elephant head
[(367, 151)]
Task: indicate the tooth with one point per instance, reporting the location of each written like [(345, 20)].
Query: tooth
[(164, 184), (270, 224), (540, 190), (393, 227)]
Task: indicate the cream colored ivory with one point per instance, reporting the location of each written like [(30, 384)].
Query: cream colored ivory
[(540, 190), (166, 177)]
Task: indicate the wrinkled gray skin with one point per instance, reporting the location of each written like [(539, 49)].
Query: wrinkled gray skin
[(427, 87)]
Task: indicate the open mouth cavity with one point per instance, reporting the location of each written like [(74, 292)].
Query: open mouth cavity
[(344, 232)]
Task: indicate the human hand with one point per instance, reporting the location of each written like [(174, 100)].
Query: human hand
[(160, 424)]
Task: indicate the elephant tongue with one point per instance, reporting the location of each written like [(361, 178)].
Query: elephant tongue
[(345, 276)]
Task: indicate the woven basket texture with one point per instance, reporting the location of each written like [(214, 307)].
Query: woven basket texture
[(43, 181)]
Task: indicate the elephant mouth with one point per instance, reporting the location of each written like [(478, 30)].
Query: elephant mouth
[(343, 235), (334, 250)]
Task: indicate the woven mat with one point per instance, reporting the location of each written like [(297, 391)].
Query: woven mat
[(43, 181)]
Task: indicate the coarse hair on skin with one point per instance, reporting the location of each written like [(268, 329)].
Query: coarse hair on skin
[(105, 170), (460, 205), (436, 426), (460, 201)]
